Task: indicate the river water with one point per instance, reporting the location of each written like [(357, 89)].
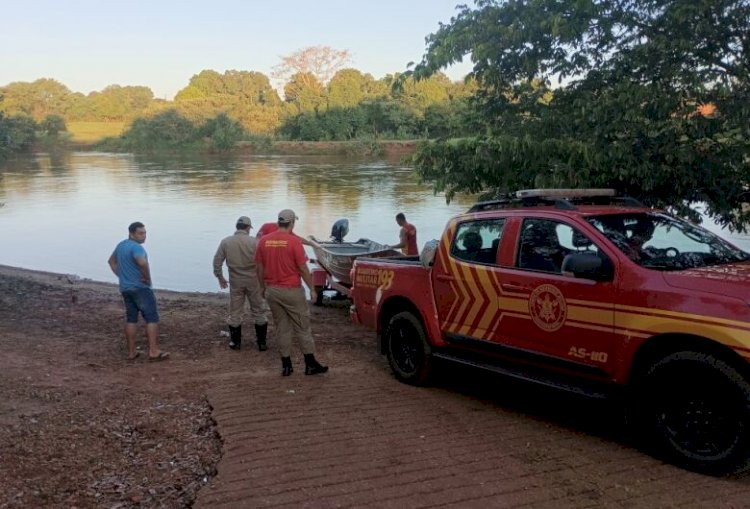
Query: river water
[(65, 212)]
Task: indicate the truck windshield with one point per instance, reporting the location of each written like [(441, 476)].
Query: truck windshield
[(662, 242)]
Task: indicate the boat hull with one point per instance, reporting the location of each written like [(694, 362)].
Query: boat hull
[(337, 258)]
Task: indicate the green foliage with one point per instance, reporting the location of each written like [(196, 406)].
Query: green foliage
[(16, 134), (223, 132), (52, 125), (166, 130), (349, 87), (36, 100), (246, 97), (305, 91), (369, 120), (654, 102), (117, 104)]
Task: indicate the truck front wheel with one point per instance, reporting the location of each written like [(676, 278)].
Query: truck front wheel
[(407, 349), (695, 409)]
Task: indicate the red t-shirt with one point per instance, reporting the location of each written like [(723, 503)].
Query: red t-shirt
[(281, 255), (266, 229), (410, 231)]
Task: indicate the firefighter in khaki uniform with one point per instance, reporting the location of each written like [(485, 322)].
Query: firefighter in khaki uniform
[(238, 251), (281, 262)]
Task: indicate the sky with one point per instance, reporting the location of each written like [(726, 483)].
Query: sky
[(87, 45)]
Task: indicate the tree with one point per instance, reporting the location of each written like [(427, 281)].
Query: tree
[(116, 103), (16, 134), (419, 95), (319, 62), (305, 92), (52, 125), (165, 130), (630, 110), (37, 99), (246, 96), (223, 132), (349, 87)]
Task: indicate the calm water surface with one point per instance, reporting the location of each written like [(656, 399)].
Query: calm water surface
[(65, 213)]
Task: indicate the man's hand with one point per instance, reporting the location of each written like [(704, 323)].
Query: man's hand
[(222, 283), (313, 295)]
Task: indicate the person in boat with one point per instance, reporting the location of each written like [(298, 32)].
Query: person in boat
[(407, 236), (282, 266), (238, 251)]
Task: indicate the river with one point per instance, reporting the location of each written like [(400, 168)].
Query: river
[(65, 212)]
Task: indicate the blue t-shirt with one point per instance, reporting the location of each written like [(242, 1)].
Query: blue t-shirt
[(129, 274)]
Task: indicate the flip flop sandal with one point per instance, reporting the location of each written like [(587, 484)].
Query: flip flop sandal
[(161, 357), (137, 354)]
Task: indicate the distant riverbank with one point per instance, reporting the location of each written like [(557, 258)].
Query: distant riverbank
[(390, 149)]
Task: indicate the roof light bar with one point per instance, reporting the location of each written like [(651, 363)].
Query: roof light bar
[(564, 193)]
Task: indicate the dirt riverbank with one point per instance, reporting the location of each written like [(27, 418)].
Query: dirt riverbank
[(81, 427)]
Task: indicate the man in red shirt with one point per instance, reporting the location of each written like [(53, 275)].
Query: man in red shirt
[(281, 262), (266, 229), (407, 236)]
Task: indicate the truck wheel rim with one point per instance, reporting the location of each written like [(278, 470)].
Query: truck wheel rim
[(405, 348), (700, 426)]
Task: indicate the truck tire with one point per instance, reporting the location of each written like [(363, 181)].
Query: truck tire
[(407, 349), (693, 409)]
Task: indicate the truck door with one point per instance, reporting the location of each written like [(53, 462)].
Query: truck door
[(555, 314), (466, 280)]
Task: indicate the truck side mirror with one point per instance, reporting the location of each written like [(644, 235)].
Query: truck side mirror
[(588, 266)]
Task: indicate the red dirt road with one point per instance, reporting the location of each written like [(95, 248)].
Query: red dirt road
[(214, 428)]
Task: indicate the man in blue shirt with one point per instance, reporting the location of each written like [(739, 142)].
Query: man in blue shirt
[(129, 262)]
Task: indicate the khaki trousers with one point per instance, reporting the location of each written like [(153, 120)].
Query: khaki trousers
[(291, 316), (246, 290)]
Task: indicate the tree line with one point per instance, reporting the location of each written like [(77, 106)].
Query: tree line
[(350, 105), (650, 98)]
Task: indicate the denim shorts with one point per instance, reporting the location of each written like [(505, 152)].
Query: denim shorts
[(140, 300)]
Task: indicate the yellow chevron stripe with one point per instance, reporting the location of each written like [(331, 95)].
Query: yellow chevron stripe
[(588, 315), (728, 335), (489, 298), (506, 303)]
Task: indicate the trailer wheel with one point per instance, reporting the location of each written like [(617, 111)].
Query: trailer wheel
[(407, 349), (694, 409), (319, 297)]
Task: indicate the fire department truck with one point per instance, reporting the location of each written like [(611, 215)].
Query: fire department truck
[(588, 292)]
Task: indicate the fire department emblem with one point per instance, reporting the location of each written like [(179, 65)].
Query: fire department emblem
[(547, 308)]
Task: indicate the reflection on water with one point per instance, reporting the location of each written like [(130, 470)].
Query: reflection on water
[(65, 212)]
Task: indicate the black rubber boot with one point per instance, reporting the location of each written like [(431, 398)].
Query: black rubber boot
[(235, 337), (313, 367), (286, 366), (260, 335)]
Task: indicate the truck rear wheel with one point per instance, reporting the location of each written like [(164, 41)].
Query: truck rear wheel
[(407, 349), (695, 409)]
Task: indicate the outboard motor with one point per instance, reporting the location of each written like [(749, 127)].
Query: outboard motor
[(339, 230)]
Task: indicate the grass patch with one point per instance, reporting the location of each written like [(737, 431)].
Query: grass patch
[(90, 132)]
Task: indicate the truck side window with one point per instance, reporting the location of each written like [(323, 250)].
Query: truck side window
[(540, 247), (478, 241), (545, 243)]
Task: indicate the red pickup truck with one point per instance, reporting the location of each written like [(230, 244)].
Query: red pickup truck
[(587, 292)]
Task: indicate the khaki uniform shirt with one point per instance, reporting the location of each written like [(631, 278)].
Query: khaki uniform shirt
[(239, 252)]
